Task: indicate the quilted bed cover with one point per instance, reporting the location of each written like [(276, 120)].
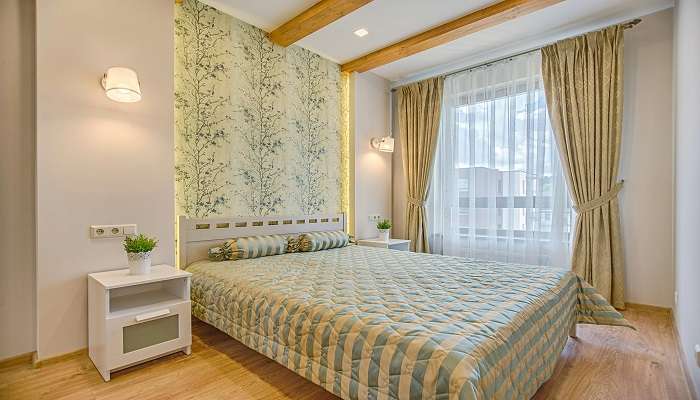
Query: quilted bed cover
[(370, 323)]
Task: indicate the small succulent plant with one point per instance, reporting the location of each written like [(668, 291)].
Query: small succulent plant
[(139, 244), (384, 224)]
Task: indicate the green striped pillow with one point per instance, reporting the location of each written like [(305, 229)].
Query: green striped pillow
[(259, 246), (315, 241)]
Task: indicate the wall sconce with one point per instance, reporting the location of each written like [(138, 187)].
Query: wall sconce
[(385, 144), (122, 85)]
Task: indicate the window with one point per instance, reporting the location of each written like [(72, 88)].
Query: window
[(496, 146)]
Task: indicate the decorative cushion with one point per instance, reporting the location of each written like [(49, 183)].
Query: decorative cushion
[(223, 253), (293, 244), (259, 246), (315, 241)]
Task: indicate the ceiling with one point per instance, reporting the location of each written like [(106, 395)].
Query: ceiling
[(389, 21)]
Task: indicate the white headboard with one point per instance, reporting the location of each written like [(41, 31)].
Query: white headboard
[(196, 236)]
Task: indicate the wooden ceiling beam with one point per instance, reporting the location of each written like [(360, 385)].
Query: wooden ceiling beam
[(487, 17), (314, 18)]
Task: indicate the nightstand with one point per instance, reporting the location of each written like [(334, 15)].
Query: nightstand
[(394, 244), (136, 318)]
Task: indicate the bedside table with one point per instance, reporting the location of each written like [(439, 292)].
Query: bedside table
[(136, 318), (394, 244)]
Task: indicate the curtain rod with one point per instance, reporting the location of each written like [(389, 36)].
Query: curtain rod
[(625, 25)]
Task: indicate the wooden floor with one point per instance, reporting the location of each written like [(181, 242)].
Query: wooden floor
[(603, 363)]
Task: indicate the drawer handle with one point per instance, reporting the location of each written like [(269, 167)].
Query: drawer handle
[(151, 315)]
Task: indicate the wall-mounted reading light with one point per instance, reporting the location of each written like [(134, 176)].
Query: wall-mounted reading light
[(122, 85), (386, 143)]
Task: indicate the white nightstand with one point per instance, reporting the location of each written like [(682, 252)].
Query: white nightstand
[(394, 244), (135, 318)]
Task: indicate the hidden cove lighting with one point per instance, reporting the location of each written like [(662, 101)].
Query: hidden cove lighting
[(122, 84), (361, 32)]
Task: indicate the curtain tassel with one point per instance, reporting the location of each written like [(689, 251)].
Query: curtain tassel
[(601, 200), (416, 202)]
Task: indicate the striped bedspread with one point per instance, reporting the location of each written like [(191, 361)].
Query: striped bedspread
[(369, 323)]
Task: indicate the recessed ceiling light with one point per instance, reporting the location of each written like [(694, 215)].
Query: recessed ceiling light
[(361, 32)]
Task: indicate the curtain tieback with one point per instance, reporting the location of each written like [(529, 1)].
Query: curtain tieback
[(416, 202), (601, 200)]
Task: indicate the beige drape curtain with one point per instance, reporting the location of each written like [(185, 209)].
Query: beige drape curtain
[(419, 119), (583, 85)]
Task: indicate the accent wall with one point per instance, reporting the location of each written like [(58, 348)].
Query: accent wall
[(258, 127)]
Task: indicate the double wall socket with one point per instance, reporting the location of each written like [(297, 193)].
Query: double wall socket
[(112, 231), (375, 218)]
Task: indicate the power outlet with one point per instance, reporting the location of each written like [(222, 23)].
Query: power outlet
[(112, 231), (675, 298), (697, 354), (375, 218)]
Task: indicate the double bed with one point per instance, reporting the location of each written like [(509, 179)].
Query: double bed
[(371, 323)]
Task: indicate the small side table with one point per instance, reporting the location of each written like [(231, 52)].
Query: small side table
[(136, 318), (393, 244)]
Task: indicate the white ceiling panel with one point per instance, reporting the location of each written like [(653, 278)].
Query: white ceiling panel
[(559, 21), (389, 21)]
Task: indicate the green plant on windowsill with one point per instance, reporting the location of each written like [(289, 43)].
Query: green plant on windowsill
[(139, 244), (384, 224)]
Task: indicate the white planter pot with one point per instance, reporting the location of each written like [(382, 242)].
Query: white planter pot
[(384, 234), (139, 263)]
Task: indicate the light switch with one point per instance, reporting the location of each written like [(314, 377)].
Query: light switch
[(129, 230)]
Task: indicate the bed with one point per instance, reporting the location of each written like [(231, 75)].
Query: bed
[(371, 323)]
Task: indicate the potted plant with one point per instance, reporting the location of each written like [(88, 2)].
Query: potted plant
[(384, 226), (138, 251)]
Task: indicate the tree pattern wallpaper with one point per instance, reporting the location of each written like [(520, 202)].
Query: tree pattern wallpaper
[(258, 127)]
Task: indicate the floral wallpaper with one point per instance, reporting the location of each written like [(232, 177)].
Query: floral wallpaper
[(259, 128)]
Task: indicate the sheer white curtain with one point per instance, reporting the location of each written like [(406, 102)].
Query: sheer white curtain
[(498, 191)]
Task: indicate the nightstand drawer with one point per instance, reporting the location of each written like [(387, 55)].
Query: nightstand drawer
[(148, 333)]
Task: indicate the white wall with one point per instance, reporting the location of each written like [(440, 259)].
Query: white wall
[(687, 123), (372, 169), (646, 202), (17, 241), (98, 161)]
